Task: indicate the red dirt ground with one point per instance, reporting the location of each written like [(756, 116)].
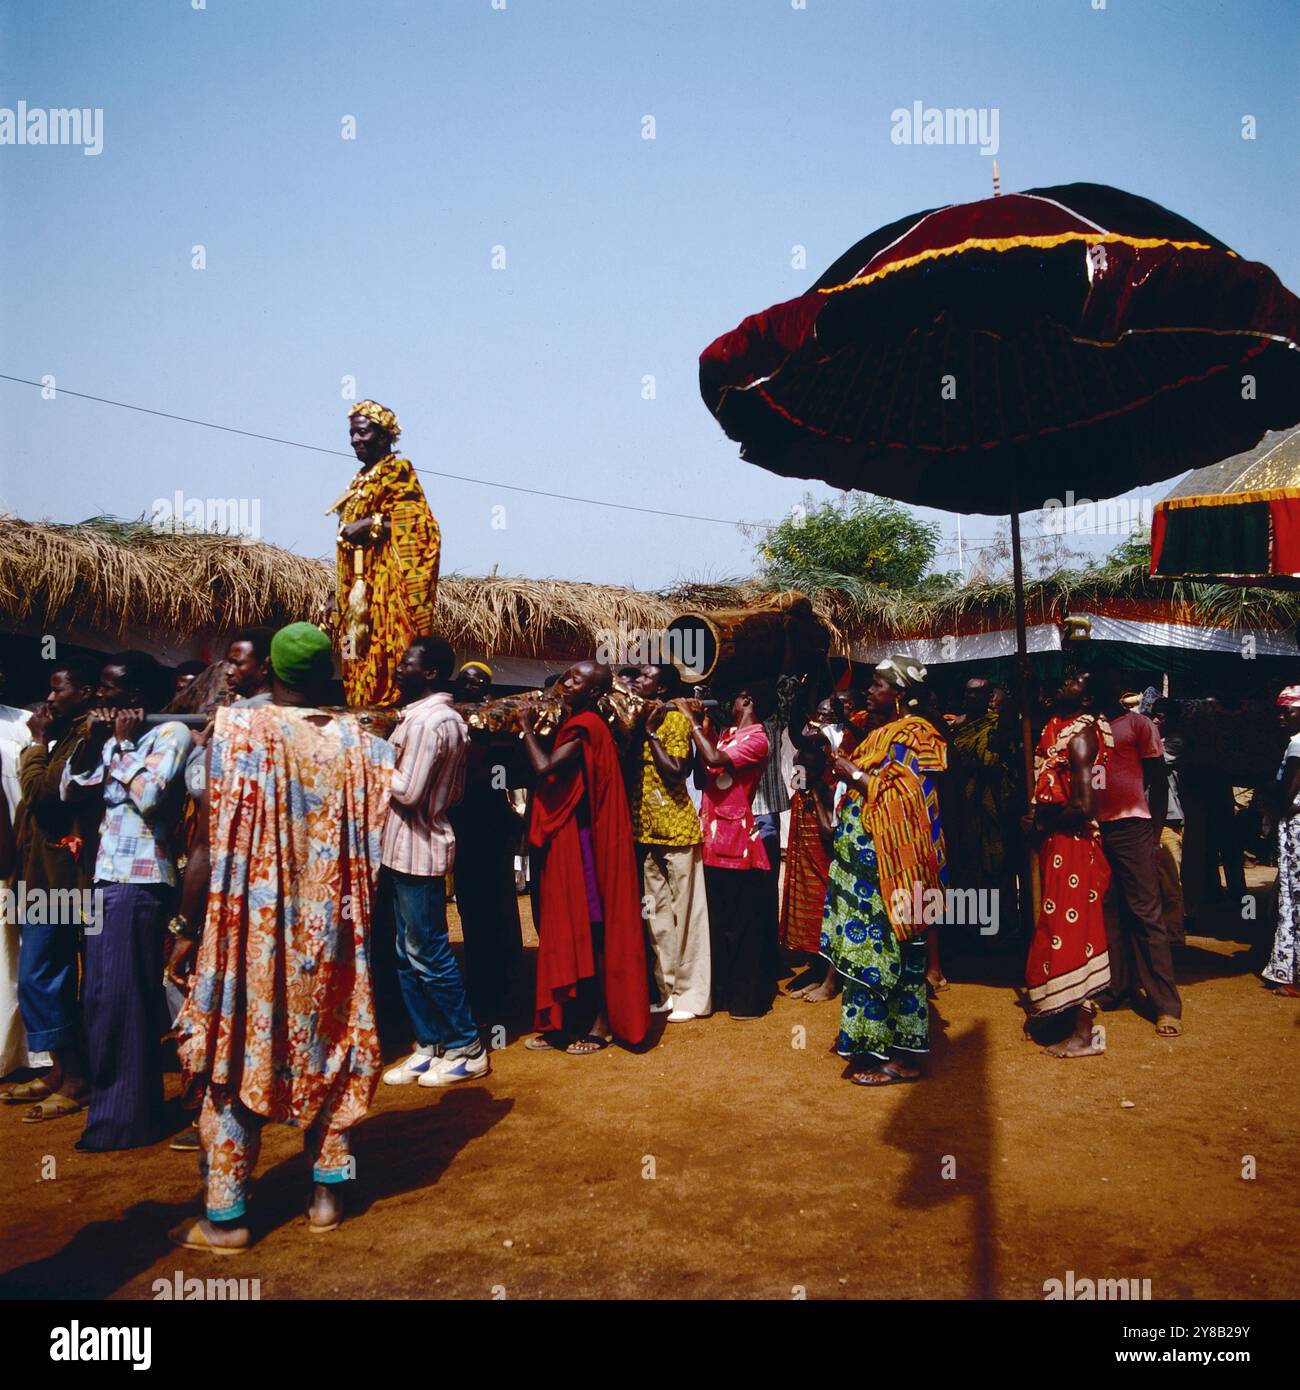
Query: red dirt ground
[(771, 1175)]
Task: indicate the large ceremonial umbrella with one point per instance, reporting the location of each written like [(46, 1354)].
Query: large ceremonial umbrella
[(994, 356), (1235, 522)]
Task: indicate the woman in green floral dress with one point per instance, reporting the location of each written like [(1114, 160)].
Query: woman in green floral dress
[(888, 843)]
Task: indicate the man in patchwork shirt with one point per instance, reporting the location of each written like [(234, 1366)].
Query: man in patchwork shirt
[(138, 773)]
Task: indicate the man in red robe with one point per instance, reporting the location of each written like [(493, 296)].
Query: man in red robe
[(591, 965)]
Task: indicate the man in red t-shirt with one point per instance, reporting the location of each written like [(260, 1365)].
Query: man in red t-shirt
[(1131, 806)]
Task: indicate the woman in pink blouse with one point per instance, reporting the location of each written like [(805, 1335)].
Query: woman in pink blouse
[(735, 863)]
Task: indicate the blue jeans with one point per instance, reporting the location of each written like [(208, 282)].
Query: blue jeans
[(432, 988), (47, 985)]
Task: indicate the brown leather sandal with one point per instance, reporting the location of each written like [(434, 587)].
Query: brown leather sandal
[(54, 1107)]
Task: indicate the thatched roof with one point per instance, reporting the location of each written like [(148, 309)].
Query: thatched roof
[(111, 576), (993, 603)]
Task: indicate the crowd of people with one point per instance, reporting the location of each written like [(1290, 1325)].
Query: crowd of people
[(269, 888), (265, 889)]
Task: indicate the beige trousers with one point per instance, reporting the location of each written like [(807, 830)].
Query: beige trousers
[(1169, 868), (674, 906)]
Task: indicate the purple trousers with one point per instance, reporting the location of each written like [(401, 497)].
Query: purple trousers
[(124, 1016)]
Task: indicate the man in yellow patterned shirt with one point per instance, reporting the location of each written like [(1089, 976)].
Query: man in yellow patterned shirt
[(666, 829), (388, 552)]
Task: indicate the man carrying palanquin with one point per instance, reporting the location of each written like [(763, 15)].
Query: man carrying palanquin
[(279, 1023)]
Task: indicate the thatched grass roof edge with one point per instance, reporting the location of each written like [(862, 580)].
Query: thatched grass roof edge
[(112, 576)]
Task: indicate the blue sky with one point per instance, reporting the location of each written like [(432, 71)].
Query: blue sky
[(522, 127)]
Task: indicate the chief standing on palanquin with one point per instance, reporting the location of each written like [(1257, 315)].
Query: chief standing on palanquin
[(388, 552)]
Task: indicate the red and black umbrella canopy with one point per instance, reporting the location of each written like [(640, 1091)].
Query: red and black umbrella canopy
[(987, 357)]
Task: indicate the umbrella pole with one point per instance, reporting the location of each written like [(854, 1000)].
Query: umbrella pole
[(1029, 902)]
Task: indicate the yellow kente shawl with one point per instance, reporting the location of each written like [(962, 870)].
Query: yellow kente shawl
[(901, 815), (386, 593)]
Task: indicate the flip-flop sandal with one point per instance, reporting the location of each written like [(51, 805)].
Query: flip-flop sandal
[(891, 1078), (540, 1042), (26, 1092), (596, 1044), (190, 1235), (54, 1107), (1168, 1027)]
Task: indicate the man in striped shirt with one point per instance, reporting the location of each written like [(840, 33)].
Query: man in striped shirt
[(418, 851)]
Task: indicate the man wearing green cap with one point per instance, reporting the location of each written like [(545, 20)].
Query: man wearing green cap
[(279, 1023)]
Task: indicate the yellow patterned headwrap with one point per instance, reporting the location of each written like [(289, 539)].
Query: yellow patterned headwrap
[(381, 415)]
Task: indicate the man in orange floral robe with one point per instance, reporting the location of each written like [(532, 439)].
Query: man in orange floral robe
[(279, 1024)]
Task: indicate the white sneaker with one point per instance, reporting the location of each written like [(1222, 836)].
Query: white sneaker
[(680, 1016), (411, 1068), (666, 1007), (449, 1070)]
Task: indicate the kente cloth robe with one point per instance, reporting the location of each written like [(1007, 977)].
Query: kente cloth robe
[(376, 623)]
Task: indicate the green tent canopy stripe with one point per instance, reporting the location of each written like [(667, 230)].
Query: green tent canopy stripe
[(1224, 539)]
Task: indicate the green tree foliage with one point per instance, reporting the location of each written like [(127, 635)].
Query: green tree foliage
[(1132, 550), (853, 541)]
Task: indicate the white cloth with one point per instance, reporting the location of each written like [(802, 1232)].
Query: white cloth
[(13, 1041), (1283, 966)]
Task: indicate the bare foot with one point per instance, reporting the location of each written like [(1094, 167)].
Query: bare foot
[(1075, 1046), (802, 983), (936, 982), (326, 1210), (828, 989), (1287, 991)]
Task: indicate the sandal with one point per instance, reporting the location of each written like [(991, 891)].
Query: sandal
[(54, 1107), (1167, 1026), (587, 1046), (883, 1077), (27, 1091), (541, 1042), (190, 1235)]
